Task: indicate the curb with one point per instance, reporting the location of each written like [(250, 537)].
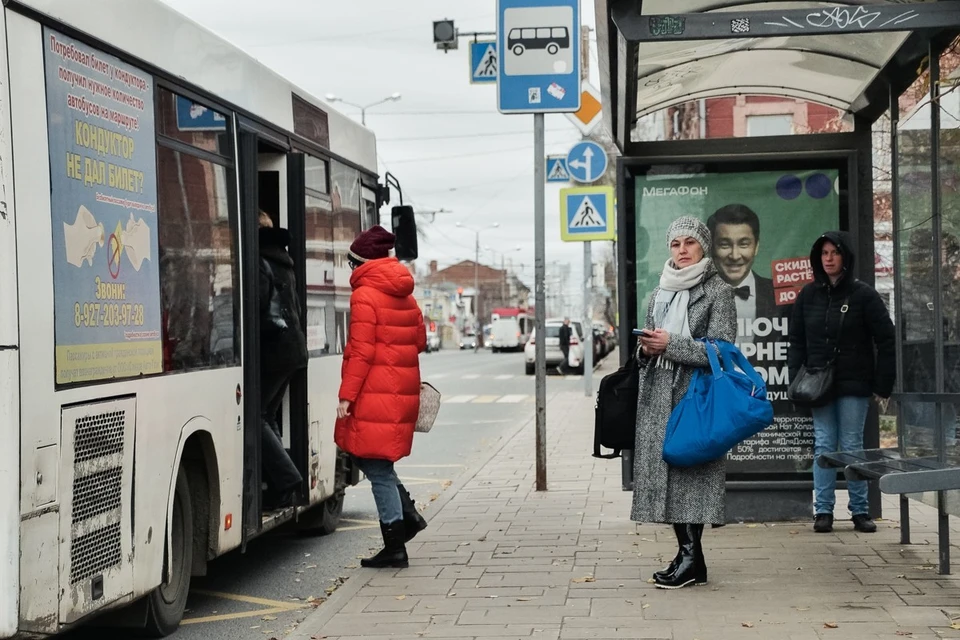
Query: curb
[(314, 622)]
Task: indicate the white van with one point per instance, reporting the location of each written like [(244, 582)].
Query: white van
[(506, 335)]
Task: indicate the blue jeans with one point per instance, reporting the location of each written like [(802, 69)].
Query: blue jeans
[(383, 480), (838, 426)]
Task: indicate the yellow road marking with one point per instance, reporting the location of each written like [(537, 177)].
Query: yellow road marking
[(358, 527), (290, 606), (236, 616)]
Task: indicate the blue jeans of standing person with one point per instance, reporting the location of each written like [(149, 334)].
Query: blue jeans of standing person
[(383, 480), (838, 426)]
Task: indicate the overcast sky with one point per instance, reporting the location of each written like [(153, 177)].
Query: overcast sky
[(445, 140)]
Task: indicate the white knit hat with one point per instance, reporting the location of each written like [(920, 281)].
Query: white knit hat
[(690, 226)]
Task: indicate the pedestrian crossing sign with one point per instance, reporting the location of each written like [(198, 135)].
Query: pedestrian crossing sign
[(587, 214), (483, 62), (557, 169)]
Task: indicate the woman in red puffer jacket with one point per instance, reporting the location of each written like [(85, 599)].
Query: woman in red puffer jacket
[(380, 385)]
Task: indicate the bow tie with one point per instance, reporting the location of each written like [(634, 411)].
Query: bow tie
[(742, 292)]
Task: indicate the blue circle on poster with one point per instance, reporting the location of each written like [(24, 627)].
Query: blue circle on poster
[(789, 187), (819, 186)]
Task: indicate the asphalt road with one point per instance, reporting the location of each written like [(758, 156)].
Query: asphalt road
[(283, 576)]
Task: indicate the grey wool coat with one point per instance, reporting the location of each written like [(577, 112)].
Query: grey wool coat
[(663, 493)]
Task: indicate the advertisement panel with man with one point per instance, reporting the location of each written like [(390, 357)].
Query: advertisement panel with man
[(762, 224)]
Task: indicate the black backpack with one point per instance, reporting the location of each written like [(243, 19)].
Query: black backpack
[(615, 424)]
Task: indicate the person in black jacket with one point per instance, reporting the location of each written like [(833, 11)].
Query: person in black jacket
[(283, 352), (864, 365), (566, 331)]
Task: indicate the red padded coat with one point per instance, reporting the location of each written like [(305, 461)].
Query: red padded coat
[(381, 363)]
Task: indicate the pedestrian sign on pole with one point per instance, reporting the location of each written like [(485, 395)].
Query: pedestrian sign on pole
[(587, 161), (587, 214), (590, 113), (539, 45), (557, 169), (483, 62)]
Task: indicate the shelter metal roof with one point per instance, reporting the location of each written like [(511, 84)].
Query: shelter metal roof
[(835, 70)]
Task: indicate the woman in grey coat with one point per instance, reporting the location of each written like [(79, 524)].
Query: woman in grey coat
[(691, 302)]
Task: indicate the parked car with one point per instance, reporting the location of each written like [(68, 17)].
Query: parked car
[(468, 340), (599, 345), (554, 355), (611, 338), (505, 335)]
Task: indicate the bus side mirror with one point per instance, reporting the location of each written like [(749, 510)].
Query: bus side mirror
[(405, 229)]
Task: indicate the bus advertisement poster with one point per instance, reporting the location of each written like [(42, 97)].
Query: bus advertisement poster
[(762, 224), (100, 120)]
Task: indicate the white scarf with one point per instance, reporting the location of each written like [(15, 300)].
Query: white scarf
[(670, 307)]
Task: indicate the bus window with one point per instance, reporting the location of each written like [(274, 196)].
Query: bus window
[(193, 123), (543, 33), (197, 239), (345, 193), (318, 227)]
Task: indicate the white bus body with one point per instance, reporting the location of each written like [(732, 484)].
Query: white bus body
[(93, 454)]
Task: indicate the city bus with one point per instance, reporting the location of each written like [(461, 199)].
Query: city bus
[(136, 152)]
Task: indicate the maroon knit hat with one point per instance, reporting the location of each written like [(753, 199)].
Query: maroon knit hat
[(372, 244)]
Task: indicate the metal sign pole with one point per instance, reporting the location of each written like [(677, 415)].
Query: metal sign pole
[(540, 311), (587, 320)]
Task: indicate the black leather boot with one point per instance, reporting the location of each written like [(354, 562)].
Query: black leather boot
[(412, 520), (692, 569), (680, 530), (394, 553)]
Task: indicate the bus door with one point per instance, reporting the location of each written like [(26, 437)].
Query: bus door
[(264, 187)]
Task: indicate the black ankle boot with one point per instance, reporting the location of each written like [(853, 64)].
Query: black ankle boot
[(412, 520), (680, 530), (692, 568), (394, 553)]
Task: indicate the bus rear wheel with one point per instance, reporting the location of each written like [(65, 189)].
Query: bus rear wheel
[(166, 604), (552, 49), (323, 519)]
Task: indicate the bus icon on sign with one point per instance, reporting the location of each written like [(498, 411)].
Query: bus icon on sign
[(538, 41), (550, 39)]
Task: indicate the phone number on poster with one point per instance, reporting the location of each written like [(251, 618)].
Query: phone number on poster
[(95, 314)]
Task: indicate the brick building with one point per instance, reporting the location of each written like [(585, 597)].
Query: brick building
[(497, 288)]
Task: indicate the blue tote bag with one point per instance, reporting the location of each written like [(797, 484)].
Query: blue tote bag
[(722, 407)]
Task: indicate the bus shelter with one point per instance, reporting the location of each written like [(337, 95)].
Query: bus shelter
[(890, 179)]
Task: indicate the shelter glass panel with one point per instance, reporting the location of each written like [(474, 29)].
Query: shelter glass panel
[(950, 249), (916, 322)]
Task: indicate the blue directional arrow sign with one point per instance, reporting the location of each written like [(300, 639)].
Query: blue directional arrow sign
[(587, 162), (557, 169), (587, 214), (539, 46), (483, 62)]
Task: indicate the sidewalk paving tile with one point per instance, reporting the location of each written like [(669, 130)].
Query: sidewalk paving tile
[(500, 560)]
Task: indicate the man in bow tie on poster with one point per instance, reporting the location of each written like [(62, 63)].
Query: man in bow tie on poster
[(736, 240)]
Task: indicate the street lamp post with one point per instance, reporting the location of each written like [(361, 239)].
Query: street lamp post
[(476, 278), (363, 108)]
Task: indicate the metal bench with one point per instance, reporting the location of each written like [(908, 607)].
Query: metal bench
[(902, 476)]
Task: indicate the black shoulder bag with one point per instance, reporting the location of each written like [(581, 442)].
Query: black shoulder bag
[(615, 418), (813, 385)]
